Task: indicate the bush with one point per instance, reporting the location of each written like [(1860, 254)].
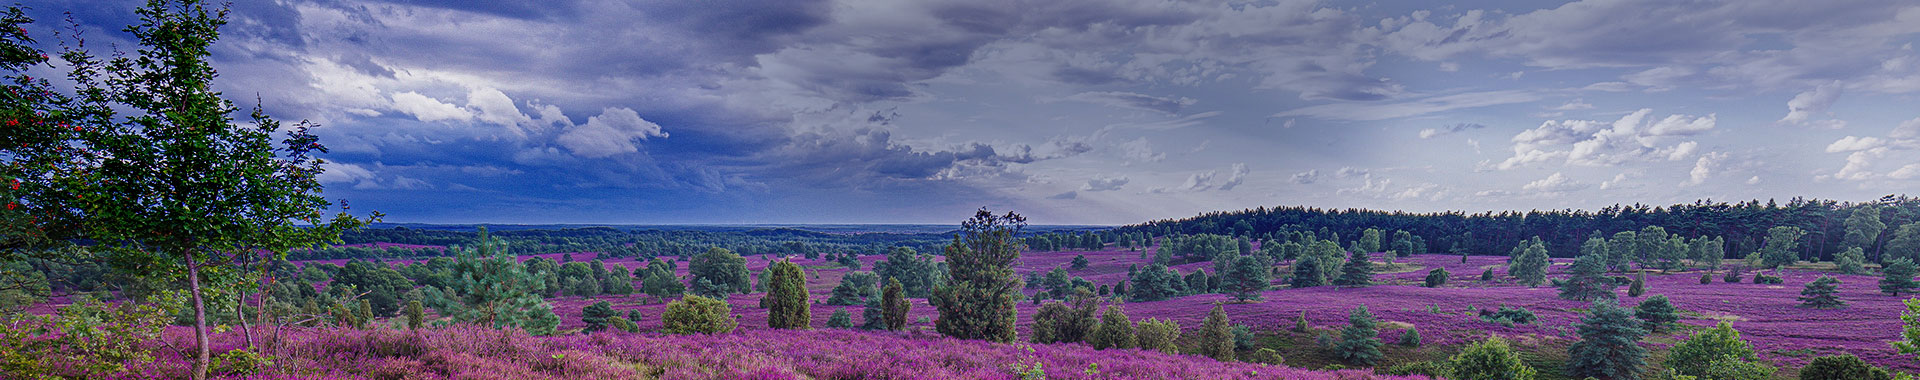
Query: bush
[(1508, 316), (1431, 369), (240, 362), (1266, 356), (1638, 286), (1842, 367), (1437, 277), (1242, 337), (596, 315), (1763, 278), (1115, 330), (1731, 277), (1410, 338), (1706, 278), (1155, 334), (840, 319), (1693, 356), (1657, 312), (697, 315), (1491, 359), (623, 324), (1487, 275)]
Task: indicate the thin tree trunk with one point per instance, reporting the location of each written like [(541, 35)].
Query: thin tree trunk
[(202, 356), (240, 312)]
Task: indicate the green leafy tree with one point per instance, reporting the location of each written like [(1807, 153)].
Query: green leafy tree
[(840, 319), (1609, 346), (1058, 322), (788, 289), (916, 271), (1491, 359), (1216, 336), (1369, 241), (1863, 227), (615, 280), (661, 284), (1693, 356), (1437, 277), (1587, 279), (1115, 330), (697, 315), (1156, 334), (1909, 342), (1897, 276), (1851, 261), (725, 271), (382, 285), (1905, 243), (894, 299), (1250, 275), (148, 163), (492, 288), (1781, 245), (1307, 273), (1657, 312), (977, 300), (1358, 271), (596, 315), (1819, 294), (1080, 262), (853, 289), (1709, 252), (1153, 283), (1842, 367), (1359, 342), (1530, 266)]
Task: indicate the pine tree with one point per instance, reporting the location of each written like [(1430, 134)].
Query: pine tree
[(1491, 359), (416, 315), (1587, 279), (1657, 312), (840, 319), (788, 289), (1114, 331), (1639, 285), (1156, 334), (1898, 276), (1609, 345), (916, 272), (596, 315), (1300, 325), (1410, 338), (1359, 344), (1819, 294), (1486, 275), (977, 300), (896, 305), (1358, 271), (1693, 356), (1250, 275), (1307, 273), (1909, 342), (1080, 262), (1216, 335), (1153, 283), (873, 316), (491, 287)]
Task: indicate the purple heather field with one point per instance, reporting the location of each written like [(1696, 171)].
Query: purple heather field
[(1766, 315)]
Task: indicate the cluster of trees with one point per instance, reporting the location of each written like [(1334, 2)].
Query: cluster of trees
[(1075, 321), (618, 242), (1884, 229)]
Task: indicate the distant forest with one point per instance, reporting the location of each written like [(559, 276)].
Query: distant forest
[(1744, 225), (641, 242)]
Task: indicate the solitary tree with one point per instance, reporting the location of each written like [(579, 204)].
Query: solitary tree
[(1639, 285), (1819, 294), (697, 315), (1587, 280), (1657, 312), (1437, 277), (148, 163), (1530, 266), (1359, 344), (1609, 346), (1080, 262), (788, 289), (490, 287), (1114, 331), (1250, 275), (724, 272), (1216, 335), (596, 315), (1307, 273), (1898, 277), (977, 300), (1358, 271), (895, 301)]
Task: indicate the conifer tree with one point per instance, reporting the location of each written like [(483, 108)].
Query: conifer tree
[(1639, 285), (894, 300), (873, 316), (1410, 338), (840, 319), (1307, 273), (977, 300), (1819, 294), (916, 272), (1909, 342), (491, 287), (1609, 346), (1437, 277), (1587, 280), (1114, 331), (1359, 344), (415, 315), (1216, 336), (1898, 276), (1080, 262), (1657, 312), (788, 289), (1358, 271), (1491, 359), (1250, 275), (1530, 265), (596, 315), (1153, 283)]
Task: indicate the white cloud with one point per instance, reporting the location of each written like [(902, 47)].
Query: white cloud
[(1203, 181), (492, 106), (1593, 143), (1140, 150), (1383, 111), (1556, 183), (1811, 103), (1618, 181), (1753, 181), (610, 133), (1910, 171), (1239, 176), (1859, 164), (335, 172), (428, 109), (1908, 130), (1576, 104), (1349, 172), (1703, 168), (1851, 143), (1306, 177)]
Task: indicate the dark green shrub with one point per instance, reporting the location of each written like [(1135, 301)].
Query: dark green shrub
[(1842, 367), (697, 315)]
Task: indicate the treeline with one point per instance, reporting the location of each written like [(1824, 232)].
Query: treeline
[(644, 244), (1831, 226)]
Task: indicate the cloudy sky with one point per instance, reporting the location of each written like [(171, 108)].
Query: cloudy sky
[(1108, 112)]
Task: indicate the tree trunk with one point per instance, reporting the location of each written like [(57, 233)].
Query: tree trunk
[(202, 356), (240, 312)]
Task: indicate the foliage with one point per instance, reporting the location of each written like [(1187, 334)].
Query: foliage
[(1358, 271), (1639, 285), (1490, 359), (977, 300), (916, 271), (1080, 262), (1898, 276), (1058, 322), (1609, 345), (1436, 277), (1851, 261), (1587, 280), (697, 315), (840, 319), (1656, 312), (1781, 246), (723, 272), (895, 304), (1819, 294), (1249, 275), (1863, 227), (596, 316), (873, 316), (1410, 338), (1508, 315), (86, 339), (1157, 334), (1842, 367), (492, 288), (1530, 266), (1695, 355), (1115, 330), (1307, 273), (1216, 337), (416, 315), (1358, 342), (788, 289), (1905, 243), (1909, 342)]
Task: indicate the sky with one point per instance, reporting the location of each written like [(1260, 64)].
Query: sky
[(1066, 111)]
